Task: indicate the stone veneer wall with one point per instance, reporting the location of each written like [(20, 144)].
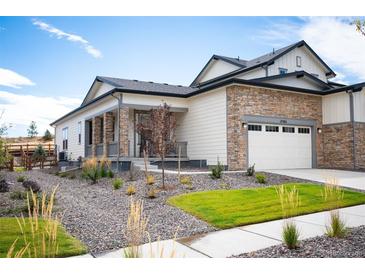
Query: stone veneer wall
[(96, 131), (123, 131), (338, 146), (108, 130), (245, 100)]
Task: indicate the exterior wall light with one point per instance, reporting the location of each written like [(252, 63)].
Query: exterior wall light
[(319, 130), (244, 125)]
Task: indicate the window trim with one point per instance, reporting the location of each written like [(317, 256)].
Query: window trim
[(65, 138), (299, 61), (268, 126), (283, 71), (288, 127), (304, 130), (254, 127)]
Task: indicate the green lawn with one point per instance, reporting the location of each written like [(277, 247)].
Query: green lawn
[(9, 231), (230, 208)]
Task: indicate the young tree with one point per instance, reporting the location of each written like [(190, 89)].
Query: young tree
[(360, 26), (32, 130), (159, 130), (47, 136)]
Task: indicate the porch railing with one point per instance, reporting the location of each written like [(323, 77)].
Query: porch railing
[(112, 149)]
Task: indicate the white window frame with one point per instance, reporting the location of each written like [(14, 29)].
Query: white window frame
[(65, 138), (299, 61), (79, 132)]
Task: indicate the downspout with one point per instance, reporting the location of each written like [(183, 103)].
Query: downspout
[(352, 120), (119, 99)]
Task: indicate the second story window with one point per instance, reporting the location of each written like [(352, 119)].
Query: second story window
[(299, 61), (283, 71)]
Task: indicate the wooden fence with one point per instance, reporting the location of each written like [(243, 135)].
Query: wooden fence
[(22, 156)]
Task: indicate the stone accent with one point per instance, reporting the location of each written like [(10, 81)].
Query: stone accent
[(108, 131), (338, 151), (338, 146), (360, 145), (246, 100), (123, 131), (96, 131)]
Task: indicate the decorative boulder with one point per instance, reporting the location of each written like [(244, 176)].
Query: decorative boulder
[(4, 186), (31, 185)]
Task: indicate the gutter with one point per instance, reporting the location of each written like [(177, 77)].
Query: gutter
[(352, 120)]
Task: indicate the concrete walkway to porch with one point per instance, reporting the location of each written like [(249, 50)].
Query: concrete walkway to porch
[(234, 241)]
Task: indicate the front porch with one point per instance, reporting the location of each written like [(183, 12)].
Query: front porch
[(102, 132)]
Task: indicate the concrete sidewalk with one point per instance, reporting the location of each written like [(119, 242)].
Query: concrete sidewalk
[(225, 243)]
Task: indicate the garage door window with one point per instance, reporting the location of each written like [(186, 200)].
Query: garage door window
[(303, 130), (254, 127), (272, 128), (289, 129)]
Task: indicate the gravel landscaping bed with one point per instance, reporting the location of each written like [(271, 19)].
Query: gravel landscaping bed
[(97, 214), (352, 246)]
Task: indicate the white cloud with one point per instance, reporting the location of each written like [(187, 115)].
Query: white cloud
[(60, 34), (333, 38), (12, 79), (21, 109)]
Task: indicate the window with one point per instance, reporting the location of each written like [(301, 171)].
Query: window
[(272, 128), (283, 71), (289, 129), (79, 132), (303, 130), (299, 61), (254, 127), (65, 138)]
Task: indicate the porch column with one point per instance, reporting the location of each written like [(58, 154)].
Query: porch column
[(96, 130), (108, 131), (123, 131)]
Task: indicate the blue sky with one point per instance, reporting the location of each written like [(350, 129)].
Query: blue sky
[(58, 57)]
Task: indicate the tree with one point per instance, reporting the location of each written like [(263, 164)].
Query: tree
[(159, 131), (47, 135), (39, 155), (3, 127), (32, 130), (360, 26)]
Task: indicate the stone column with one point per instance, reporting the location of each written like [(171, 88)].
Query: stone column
[(108, 131), (123, 131), (96, 129)]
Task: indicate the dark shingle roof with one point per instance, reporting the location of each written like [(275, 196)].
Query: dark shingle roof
[(145, 86)]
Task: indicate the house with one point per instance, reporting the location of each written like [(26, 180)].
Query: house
[(280, 110)]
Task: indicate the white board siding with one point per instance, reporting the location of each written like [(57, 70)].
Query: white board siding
[(148, 100), (295, 82), (204, 127), (288, 61), (255, 73), (73, 146), (336, 108), (215, 69), (104, 88), (359, 106)]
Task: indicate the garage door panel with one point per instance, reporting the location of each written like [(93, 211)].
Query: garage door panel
[(279, 150)]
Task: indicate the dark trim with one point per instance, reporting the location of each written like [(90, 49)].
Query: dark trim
[(354, 88), (336, 84), (298, 74), (269, 62), (87, 94)]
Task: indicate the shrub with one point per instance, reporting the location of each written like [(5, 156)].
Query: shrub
[(31, 185), (18, 195), (185, 180), (63, 175), (20, 179), (131, 190), (19, 169), (260, 178), (39, 155), (110, 173), (4, 186), (47, 136), (150, 180), (251, 170), (57, 173), (117, 183), (152, 193), (72, 176), (337, 227), (90, 170), (290, 235), (104, 166), (216, 171)]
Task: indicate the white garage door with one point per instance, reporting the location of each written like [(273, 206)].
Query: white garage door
[(279, 147)]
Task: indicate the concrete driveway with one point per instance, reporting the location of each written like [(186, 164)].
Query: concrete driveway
[(352, 179)]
